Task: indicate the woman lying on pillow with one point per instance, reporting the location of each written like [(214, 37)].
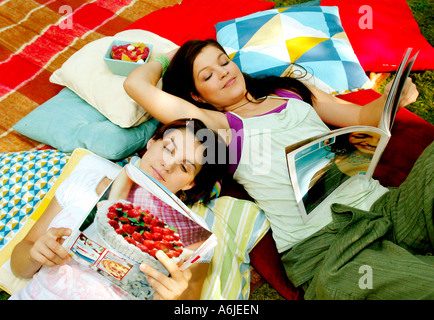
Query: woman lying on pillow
[(267, 114), (172, 159)]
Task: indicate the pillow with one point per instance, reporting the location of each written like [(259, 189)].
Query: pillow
[(311, 37), (195, 19), (25, 179), (238, 224), (86, 73), (380, 45), (67, 122)]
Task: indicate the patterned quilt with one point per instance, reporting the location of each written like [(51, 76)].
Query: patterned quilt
[(37, 37)]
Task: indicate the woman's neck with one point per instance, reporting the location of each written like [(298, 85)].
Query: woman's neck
[(251, 107)]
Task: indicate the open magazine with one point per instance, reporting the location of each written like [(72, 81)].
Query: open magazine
[(135, 217), (324, 164)]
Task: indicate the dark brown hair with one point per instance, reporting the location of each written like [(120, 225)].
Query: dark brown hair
[(178, 79), (215, 155)]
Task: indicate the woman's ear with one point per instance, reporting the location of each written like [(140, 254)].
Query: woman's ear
[(197, 97), (150, 142), (188, 186)]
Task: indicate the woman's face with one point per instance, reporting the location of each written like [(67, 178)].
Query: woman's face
[(218, 80), (175, 160), (365, 142)]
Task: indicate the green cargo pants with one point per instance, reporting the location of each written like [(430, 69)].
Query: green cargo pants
[(382, 254)]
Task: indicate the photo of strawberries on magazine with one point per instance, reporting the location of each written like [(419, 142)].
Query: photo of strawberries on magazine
[(133, 219)]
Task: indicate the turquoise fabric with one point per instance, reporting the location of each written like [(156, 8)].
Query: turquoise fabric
[(25, 177), (271, 42), (67, 122)]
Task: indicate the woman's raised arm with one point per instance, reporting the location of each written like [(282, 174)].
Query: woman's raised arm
[(141, 86)]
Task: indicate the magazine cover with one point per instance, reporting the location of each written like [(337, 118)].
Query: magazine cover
[(134, 218), (321, 165)]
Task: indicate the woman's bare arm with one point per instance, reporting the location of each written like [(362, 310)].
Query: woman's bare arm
[(141, 86), (338, 112)]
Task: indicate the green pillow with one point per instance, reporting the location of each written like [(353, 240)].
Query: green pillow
[(67, 122)]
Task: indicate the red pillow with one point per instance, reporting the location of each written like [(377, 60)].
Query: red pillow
[(380, 46), (195, 19)]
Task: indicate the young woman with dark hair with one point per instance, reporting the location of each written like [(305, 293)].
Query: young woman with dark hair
[(175, 158), (258, 118)]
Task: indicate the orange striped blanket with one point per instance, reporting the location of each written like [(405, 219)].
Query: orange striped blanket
[(37, 37)]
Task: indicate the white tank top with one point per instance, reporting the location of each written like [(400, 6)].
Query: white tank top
[(264, 173)]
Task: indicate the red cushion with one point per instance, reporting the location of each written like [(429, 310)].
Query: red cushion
[(380, 48), (266, 261), (195, 19)]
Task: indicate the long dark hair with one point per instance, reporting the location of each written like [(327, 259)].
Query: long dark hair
[(178, 79), (215, 155)]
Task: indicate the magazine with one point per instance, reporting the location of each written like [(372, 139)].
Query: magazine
[(324, 164), (118, 235)]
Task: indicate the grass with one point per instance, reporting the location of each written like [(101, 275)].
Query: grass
[(423, 11)]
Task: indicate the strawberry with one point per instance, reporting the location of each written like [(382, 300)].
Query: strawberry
[(138, 237), (112, 215), (149, 244), (173, 254), (170, 254), (114, 224), (166, 247), (128, 228), (157, 236), (130, 240), (156, 229), (143, 230), (142, 247), (157, 223), (135, 229), (118, 205), (124, 220), (168, 237), (153, 252), (147, 235), (167, 231), (178, 243), (133, 213), (128, 206), (147, 219)]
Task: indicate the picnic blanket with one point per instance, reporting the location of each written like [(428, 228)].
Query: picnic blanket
[(37, 37)]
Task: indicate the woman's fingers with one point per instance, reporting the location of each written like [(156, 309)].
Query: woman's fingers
[(409, 92), (48, 249), (167, 288)]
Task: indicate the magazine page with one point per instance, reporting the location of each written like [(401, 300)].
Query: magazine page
[(321, 167), (391, 105), (129, 223)]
